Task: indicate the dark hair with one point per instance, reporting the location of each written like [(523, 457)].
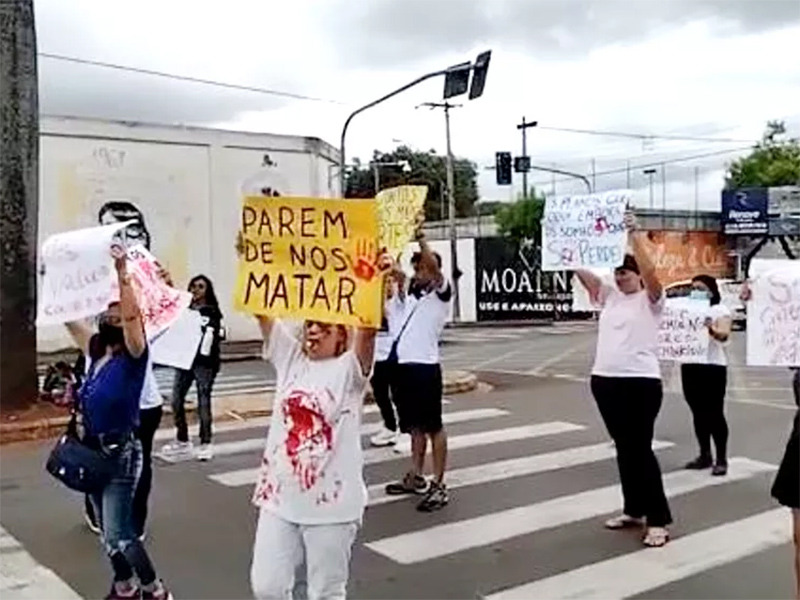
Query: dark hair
[(126, 211), (417, 256), (211, 296), (711, 283)]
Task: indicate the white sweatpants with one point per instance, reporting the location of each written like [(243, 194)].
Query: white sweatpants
[(281, 547)]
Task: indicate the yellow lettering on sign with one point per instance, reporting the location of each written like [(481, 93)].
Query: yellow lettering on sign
[(310, 258), (398, 208)]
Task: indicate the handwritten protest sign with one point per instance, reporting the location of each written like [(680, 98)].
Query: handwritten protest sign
[(398, 208), (161, 305), (682, 333), (584, 231), (78, 272), (773, 317), (310, 258)]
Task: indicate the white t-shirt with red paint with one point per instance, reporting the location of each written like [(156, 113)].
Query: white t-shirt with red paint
[(627, 334), (312, 468)]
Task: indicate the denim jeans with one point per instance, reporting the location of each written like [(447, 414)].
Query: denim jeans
[(114, 506), (149, 418), (204, 377)]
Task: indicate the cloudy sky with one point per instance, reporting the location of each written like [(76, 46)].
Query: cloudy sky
[(715, 69)]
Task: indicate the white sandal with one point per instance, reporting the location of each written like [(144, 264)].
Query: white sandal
[(656, 537), (624, 522)]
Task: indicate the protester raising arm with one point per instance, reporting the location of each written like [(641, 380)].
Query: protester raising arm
[(132, 325), (264, 323), (647, 270), (591, 282)]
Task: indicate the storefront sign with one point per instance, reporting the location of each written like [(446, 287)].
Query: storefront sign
[(510, 285), (744, 211)]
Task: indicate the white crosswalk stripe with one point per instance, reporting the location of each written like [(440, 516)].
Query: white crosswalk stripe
[(515, 451), (225, 384)]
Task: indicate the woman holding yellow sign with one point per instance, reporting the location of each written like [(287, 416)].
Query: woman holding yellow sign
[(311, 491)]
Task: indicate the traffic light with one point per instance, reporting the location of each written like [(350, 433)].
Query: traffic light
[(479, 72), (503, 168), (456, 81)]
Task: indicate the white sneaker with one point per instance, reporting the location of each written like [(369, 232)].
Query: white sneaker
[(176, 451), (205, 453), (385, 437), (403, 442)]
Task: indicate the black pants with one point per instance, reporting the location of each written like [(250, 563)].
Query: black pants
[(381, 381), (704, 389), (204, 377), (149, 420), (629, 407)]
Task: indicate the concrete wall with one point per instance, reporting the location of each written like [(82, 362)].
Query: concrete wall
[(185, 182)]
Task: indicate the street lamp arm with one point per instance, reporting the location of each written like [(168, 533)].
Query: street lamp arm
[(567, 173), (370, 105)]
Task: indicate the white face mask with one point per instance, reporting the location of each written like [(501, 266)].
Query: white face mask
[(699, 295)]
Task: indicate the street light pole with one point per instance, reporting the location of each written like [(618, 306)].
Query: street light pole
[(451, 204), (650, 173), (400, 90), (524, 128)]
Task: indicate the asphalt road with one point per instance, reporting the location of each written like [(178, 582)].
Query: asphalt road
[(532, 478)]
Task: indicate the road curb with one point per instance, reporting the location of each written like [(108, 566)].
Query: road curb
[(456, 382)]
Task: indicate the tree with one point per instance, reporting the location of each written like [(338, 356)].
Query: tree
[(426, 168), (19, 175), (521, 221), (773, 162)]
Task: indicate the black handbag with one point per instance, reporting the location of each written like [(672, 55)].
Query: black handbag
[(76, 465)]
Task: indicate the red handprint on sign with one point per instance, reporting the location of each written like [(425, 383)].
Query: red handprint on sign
[(366, 264), (601, 224)]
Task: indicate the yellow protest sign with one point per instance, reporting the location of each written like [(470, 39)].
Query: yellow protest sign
[(398, 208), (310, 258)]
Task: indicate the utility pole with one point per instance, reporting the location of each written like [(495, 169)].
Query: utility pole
[(19, 178), (451, 205), (524, 128)]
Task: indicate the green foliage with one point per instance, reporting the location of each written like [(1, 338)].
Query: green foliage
[(521, 220), (427, 168), (773, 162)]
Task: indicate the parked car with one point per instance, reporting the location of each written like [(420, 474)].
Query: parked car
[(728, 289)]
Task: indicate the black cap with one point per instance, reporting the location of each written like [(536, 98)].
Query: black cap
[(629, 264)]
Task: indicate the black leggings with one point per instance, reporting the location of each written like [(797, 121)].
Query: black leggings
[(629, 407), (381, 384), (704, 389)]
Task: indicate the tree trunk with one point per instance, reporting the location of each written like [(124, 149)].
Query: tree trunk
[(19, 179)]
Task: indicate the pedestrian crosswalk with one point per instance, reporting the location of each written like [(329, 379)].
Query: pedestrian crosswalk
[(502, 334), (494, 450), (226, 384)]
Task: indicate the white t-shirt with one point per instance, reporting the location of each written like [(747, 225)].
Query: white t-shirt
[(426, 315), (716, 349), (312, 467), (385, 339), (627, 335)]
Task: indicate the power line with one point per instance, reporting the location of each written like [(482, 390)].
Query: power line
[(221, 84), (649, 165), (644, 136)]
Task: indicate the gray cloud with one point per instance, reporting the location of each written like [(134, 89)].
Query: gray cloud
[(91, 91), (392, 32)]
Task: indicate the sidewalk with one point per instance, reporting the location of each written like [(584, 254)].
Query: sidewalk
[(47, 421)]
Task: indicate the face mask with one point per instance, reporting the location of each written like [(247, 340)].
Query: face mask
[(699, 295), (110, 335)]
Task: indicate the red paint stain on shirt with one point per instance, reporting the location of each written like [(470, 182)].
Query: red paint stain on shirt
[(309, 439)]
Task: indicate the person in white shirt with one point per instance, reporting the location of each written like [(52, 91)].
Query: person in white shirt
[(417, 376), (381, 381), (626, 383), (310, 492), (704, 384)]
